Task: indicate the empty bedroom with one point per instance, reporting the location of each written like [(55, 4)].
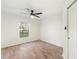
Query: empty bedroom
[(38, 29)]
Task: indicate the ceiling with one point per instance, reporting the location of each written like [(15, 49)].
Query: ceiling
[(48, 7)]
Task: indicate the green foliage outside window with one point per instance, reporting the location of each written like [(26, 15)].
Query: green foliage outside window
[(24, 31)]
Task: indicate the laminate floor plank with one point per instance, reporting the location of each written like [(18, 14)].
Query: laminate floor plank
[(33, 50)]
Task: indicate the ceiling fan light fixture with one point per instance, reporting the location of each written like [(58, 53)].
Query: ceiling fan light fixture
[(32, 16)]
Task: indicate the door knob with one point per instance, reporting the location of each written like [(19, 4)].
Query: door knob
[(65, 27)]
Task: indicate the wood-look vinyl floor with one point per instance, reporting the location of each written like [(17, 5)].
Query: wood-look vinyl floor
[(33, 50)]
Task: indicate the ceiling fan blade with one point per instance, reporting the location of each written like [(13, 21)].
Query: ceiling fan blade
[(38, 13), (27, 9), (37, 16)]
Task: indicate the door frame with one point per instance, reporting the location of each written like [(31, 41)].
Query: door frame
[(68, 26)]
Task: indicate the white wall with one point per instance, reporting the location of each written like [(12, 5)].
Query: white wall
[(51, 30), (65, 31), (10, 30)]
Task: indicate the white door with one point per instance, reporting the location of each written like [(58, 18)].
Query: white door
[(72, 31)]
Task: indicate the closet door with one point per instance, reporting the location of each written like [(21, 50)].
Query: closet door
[(72, 31)]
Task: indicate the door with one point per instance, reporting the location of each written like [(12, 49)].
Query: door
[(72, 31)]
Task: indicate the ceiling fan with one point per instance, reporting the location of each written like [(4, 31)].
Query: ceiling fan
[(33, 14)]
